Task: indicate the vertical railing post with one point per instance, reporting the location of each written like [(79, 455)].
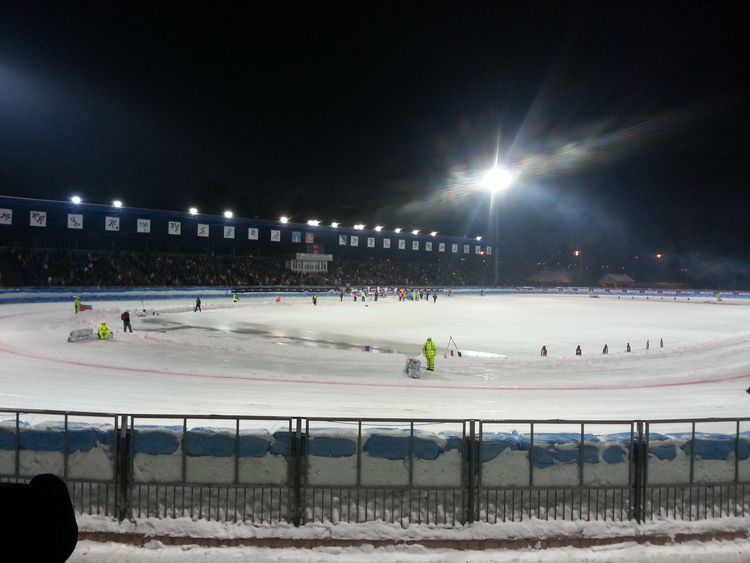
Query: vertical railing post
[(297, 453), (123, 465), (639, 456), (470, 471)]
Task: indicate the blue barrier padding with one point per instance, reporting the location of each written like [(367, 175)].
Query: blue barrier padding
[(619, 449), (387, 447), (325, 446), (614, 454), (283, 443), (252, 446), (546, 439), (664, 452), (713, 446), (7, 439), (549, 456), (494, 444), (42, 440), (453, 441), (108, 438), (84, 440), (154, 442), (426, 449), (209, 443)]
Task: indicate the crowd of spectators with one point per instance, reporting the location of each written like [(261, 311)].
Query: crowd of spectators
[(56, 268)]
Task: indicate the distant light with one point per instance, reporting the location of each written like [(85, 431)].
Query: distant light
[(284, 219), (415, 232), (577, 252), (75, 199), (313, 222), (659, 255), (334, 224), (228, 214), (479, 238), (497, 179), (359, 227), (433, 233), (193, 211), (117, 203), (379, 228), (397, 230)]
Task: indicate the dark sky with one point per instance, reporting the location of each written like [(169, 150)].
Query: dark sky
[(625, 123)]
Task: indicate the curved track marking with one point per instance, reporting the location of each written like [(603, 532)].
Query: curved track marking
[(375, 385)]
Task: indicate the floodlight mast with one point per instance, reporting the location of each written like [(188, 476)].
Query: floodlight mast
[(495, 180)]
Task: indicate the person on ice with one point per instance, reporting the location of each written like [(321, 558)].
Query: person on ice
[(125, 317), (235, 298), (197, 305), (605, 350), (578, 350), (77, 304), (429, 350), (315, 299), (544, 351), (103, 331)]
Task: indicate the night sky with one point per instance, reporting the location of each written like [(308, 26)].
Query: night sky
[(625, 123)]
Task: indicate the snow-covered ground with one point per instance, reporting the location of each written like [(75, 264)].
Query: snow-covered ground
[(262, 358)]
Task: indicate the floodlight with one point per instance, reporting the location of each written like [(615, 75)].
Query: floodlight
[(379, 228), (284, 219), (117, 203), (75, 199), (479, 238), (313, 222), (415, 232), (497, 179), (359, 227), (334, 224), (228, 214), (433, 233), (397, 230), (193, 211)]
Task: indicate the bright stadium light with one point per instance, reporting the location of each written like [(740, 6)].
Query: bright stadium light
[(193, 211), (334, 224), (415, 232), (313, 222), (75, 199), (497, 179), (398, 230), (433, 234), (359, 227), (117, 203), (379, 228), (284, 220), (228, 214), (479, 238)]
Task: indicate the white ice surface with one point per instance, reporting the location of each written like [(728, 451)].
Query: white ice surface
[(262, 358), (258, 357)]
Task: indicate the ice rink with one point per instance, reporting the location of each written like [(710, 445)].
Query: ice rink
[(292, 358)]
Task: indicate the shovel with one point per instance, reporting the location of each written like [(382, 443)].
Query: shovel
[(456, 345)]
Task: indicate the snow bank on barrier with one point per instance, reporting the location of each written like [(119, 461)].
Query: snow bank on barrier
[(379, 457)]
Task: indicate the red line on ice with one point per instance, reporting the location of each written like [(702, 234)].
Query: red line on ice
[(350, 384)]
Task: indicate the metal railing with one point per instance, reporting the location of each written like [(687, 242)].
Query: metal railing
[(437, 472)]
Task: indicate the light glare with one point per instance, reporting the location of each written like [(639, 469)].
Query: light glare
[(497, 179)]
